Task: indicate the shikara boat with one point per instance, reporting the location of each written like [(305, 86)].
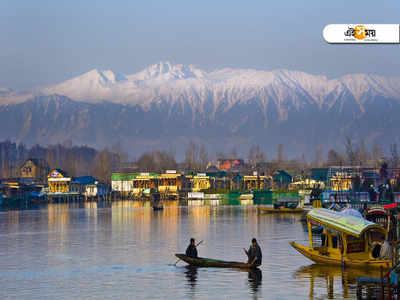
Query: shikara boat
[(214, 263), (345, 240)]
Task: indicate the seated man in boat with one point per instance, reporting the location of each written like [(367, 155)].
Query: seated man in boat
[(254, 253), (386, 251), (191, 250)]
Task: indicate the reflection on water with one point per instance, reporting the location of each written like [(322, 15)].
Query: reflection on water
[(191, 276), (124, 249), (332, 282), (255, 278)]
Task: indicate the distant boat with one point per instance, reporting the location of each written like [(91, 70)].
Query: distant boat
[(214, 263), (283, 207), (281, 210)]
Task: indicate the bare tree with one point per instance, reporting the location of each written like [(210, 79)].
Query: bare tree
[(280, 153), (318, 156), (351, 152), (203, 157), (363, 152), (146, 162), (103, 165), (220, 155), (376, 154), (394, 159), (234, 154), (334, 158), (191, 155)]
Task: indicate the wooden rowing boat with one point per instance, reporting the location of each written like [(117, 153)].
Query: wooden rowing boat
[(214, 263)]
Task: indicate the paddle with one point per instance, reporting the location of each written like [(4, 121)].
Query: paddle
[(180, 259)]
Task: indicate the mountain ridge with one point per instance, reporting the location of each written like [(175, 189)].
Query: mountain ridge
[(167, 105), (167, 82)]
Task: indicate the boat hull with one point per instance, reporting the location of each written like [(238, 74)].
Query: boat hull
[(325, 259), (214, 263), (284, 210)]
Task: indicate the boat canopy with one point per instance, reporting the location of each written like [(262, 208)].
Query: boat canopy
[(343, 223)]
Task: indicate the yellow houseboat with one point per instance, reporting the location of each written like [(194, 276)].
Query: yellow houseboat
[(346, 240), (170, 183), (200, 182)]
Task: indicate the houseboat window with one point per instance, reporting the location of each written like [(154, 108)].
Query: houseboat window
[(334, 240), (354, 244), (376, 236)]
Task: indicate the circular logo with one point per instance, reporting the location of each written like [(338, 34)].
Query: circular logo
[(360, 32)]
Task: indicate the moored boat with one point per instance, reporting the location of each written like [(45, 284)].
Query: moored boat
[(281, 210), (283, 207), (214, 263), (345, 240)]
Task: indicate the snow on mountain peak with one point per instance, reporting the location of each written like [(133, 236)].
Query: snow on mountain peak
[(100, 76), (187, 85), (94, 85), (167, 71), (363, 85)]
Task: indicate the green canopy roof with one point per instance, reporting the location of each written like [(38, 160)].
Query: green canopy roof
[(130, 176), (344, 223)]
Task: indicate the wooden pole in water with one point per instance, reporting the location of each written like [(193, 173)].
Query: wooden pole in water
[(382, 286)]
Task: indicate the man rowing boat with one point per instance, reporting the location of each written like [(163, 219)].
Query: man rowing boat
[(191, 250), (254, 253)]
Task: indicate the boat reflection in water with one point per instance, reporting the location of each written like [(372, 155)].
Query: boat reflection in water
[(255, 278), (329, 276), (191, 276)]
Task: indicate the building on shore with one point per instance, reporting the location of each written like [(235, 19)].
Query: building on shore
[(219, 180), (122, 183), (228, 164), (17, 189), (306, 184), (96, 189), (133, 184), (143, 182), (200, 182), (169, 183), (255, 182), (60, 185), (58, 182), (281, 179), (35, 168)]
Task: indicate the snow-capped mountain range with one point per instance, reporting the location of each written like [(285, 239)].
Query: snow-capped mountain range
[(242, 105)]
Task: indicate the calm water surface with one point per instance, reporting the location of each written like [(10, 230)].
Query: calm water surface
[(124, 250)]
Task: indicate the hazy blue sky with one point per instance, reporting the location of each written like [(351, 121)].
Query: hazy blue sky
[(44, 42)]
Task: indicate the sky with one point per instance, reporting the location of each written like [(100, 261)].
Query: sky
[(45, 42)]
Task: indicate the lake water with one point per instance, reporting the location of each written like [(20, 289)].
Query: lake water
[(125, 250)]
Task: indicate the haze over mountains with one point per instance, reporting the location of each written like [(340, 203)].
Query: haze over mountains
[(168, 105)]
